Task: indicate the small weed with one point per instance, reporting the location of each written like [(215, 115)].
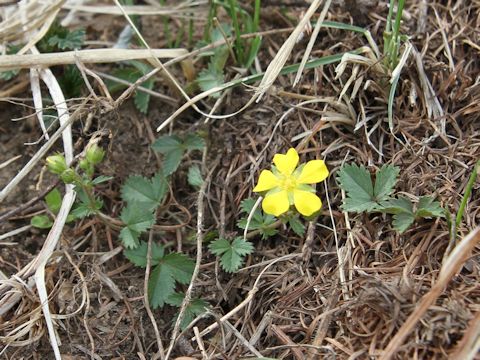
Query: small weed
[(365, 196)]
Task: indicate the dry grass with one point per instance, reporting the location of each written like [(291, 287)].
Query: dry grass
[(351, 288)]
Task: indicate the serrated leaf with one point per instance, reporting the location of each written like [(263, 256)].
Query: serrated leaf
[(296, 225), (194, 308), (138, 255), (181, 266), (68, 40), (167, 143), (427, 207), (160, 286), (194, 176), (147, 192), (172, 161), (141, 98), (84, 208), (41, 222), (137, 219), (129, 237), (231, 254), (357, 183), (402, 221), (54, 200), (193, 142), (174, 267), (385, 180), (397, 206), (210, 78)]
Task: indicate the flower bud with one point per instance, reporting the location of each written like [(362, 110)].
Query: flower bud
[(84, 164), (69, 176), (94, 154), (56, 164)]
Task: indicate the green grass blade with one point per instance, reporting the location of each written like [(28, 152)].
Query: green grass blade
[(236, 26), (466, 195)]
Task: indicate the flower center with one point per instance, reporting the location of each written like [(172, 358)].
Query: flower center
[(288, 183)]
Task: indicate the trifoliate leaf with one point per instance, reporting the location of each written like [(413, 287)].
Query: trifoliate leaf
[(427, 207), (195, 308), (231, 254), (402, 221), (41, 222), (172, 267), (195, 176), (148, 192), (385, 180), (193, 142), (54, 201), (357, 183), (137, 219), (361, 194), (138, 255)]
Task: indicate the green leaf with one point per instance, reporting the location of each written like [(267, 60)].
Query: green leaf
[(427, 207), (147, 192), (172, 161), (357, 183), (41, 222), (54, 201), (174, 267), (385, 180), (195, 308), (71, 81), (231, 254), (67, 40), (397, 206), (210, 78), (402, 221), (296, 225), (137, 219), (160, 286), (101, 179), (193, 142), (195, 176), (167, 143), (181, 266), (259, 220), (84, 208), (142, 99), (138, 255)]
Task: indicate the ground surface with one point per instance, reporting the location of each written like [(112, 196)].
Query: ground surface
[(344, 289)]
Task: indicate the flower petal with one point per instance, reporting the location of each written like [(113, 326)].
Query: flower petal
[(276, 203), (266, 181), (313, 172), (306, 202), (286, 163)]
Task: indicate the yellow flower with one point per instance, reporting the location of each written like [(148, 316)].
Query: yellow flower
[(288, 185)]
